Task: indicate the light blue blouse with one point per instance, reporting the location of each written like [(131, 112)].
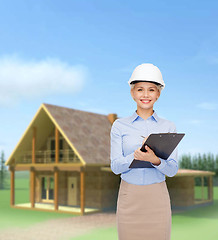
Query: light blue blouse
[(126, 138)]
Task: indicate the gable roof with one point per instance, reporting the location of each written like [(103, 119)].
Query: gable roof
[(87, 133)]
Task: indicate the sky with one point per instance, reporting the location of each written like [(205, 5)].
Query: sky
[(80, 54)]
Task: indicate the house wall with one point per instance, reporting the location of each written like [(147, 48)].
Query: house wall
[(110, 188), (181, 190), (93, 187), (101, 188)]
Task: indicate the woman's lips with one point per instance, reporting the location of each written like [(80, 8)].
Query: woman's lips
[(145, 101)]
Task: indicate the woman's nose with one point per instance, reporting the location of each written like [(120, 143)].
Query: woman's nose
[(145, 93)]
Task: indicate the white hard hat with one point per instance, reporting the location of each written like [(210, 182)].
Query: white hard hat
[(147, 72)]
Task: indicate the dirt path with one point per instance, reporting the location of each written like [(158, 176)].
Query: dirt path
[(60, 229)]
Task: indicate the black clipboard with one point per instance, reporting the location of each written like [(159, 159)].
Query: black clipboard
[(162, 144)]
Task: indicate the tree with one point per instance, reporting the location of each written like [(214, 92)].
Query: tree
[(2, 170), (216, 165), (194, 163), (185, 161), (211, 162), (200, 161)]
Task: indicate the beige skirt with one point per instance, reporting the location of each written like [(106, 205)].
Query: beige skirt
[(143, 212)]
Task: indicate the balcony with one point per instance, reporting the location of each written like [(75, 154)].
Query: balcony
[(48, 156)]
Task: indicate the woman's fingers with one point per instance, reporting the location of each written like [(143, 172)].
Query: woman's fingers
[(147, 148), (137, 153), (146, 156)]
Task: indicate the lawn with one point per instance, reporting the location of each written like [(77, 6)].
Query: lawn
[(13, 217), (197, 224)]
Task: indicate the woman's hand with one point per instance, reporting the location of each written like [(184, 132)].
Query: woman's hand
[(147, 156)]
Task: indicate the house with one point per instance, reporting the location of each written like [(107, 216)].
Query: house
[(65, 150), (67, 153), (190, 189)]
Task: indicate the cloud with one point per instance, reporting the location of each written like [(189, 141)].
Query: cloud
[(21, 79), (208, 106)]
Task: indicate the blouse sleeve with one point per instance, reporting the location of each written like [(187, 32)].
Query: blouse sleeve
[(119, 162), (169, 167)]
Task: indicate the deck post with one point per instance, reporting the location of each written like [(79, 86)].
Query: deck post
[(56, 173), (56, 145), (32, 187), (202, 188), (56, 176), (32, 170), (12, 186), (34, 146), (210, 188), (82, 191)]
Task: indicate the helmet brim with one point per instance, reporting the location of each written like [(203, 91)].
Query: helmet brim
[(136, 81)]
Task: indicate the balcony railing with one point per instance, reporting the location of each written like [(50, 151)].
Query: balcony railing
[(48, 156)]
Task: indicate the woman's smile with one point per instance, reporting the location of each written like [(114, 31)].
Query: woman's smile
[(145, 101)]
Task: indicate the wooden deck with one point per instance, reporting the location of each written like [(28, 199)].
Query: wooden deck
[(51, 207)]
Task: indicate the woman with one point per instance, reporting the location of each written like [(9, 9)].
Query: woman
[(143, 205)]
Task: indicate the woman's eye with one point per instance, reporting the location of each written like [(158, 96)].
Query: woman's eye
[(139, 89), (152, 90)]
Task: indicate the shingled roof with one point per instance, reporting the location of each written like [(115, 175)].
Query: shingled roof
[(88, 133)]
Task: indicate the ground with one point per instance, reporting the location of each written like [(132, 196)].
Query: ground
[(60, 229)]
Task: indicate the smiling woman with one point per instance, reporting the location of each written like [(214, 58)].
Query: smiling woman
[(143, 205)]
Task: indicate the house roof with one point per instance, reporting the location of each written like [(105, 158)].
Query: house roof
[(180, 173), (191, 172), (86, 132)]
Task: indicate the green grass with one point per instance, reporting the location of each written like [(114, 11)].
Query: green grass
[(200, 224), (22, 192), (197, 224), (13, 217)]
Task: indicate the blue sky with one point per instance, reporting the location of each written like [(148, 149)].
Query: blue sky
[(80, 54)]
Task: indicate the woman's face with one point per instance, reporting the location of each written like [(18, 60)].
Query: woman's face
[(145, 94)]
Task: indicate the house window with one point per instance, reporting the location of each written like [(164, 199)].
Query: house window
[(47, 188), (52, 148), (201, 193)]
